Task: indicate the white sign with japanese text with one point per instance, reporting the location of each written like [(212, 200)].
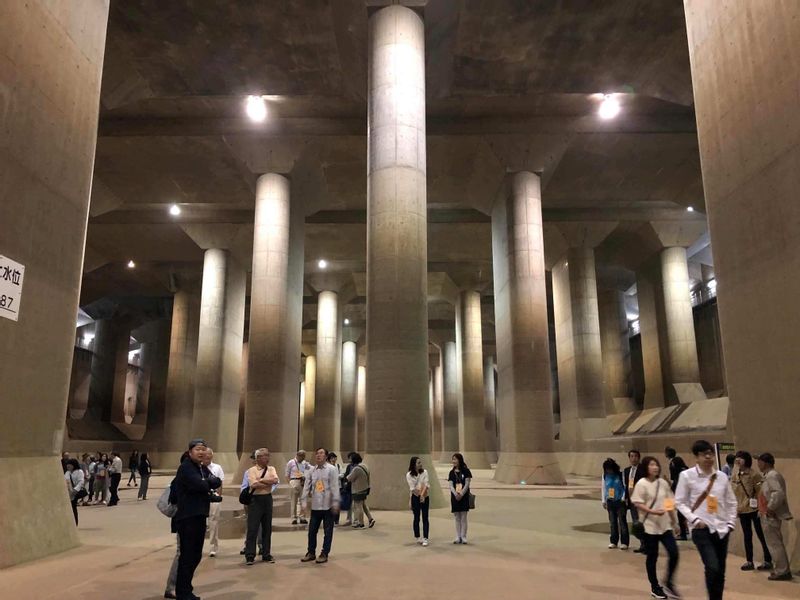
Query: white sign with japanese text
[(11, 275)]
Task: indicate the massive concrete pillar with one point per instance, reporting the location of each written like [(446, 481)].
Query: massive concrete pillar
[(109, 371), (361, 409), (524, 405), (438, 407), (472, 436), (617, 388), (276, 302), (681, 367), (647, 288), (309, 404), (347, 440), (217, 390), (748, 128), (397, 309), (451, 397), (156, 336), (180, 377), (327, 401), (52, 65), (489, 407)]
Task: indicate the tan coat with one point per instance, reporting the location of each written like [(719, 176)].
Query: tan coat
[(746, 485)]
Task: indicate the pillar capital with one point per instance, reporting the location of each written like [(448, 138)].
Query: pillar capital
[(678, 233)]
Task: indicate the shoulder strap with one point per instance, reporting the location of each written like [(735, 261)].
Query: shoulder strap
[(703, 496), (655, 497)]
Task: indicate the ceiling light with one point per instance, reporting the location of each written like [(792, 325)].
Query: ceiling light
[(131, 264), (87, 338), (689, 209), (347, 321), (174, 210), (322, 264), (256, 108), (609, 107)]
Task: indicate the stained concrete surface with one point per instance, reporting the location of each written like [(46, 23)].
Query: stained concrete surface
[(547, 542)]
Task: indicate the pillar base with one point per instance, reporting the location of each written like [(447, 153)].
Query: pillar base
[(388, 487), (686, 393), (35, 516), (584, 429), (538, 468), (229, 461), (476, 459)]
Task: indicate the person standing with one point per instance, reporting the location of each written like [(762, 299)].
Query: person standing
[(75, 481), (773, 507), (746, 486), (332, 460), (261, 478), (65, 456), (145, 470), (654, 500), (101, 479), (91, 464), (359, 486), (419, 486), (630, 476), (133, 465), (295, 477), (705, 497), (677, 466), (346, 492), (322, 486), (727, 468), (193, 486), (615, 502), (459, 477), (115, 477), (214, 508)]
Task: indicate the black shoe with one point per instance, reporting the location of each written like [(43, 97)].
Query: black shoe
[(748, 566), (371, 523), (308, 557), (765, 566), (657, 592), (775, 577), (170, 595), (250, 561), (268, 558), (303, 522), (323, 558), (294, 521), (241, 551), (671, 591)]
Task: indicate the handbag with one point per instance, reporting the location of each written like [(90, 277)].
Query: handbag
[(471, 500), (637, 527), (163, 504), (246, 495)]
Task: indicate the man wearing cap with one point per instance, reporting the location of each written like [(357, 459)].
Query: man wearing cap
[(192, 486), (773, 508), (295, 477)]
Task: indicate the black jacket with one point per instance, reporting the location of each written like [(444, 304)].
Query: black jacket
[(192, 486), (626, 476), (676, 467)]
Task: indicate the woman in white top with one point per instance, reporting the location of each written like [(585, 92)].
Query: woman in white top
[(75, 480), (419, 486), (656, 505)]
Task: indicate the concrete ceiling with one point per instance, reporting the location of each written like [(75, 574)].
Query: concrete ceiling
[(510, 85)]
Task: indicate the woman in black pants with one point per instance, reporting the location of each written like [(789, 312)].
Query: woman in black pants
[(419, 486), (746, 487)]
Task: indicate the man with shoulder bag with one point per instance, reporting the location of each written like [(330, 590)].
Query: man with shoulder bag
[(261, 478)]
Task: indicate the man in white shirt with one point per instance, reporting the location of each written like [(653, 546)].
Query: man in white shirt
[(214, 508), (295, 477), (704, 496), (115, 475), (322, 485)]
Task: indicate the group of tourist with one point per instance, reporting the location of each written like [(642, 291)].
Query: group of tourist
[(95, 478), (703, 502)]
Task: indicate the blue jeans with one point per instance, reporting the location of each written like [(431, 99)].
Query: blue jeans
[(618, 521), (324, 518)]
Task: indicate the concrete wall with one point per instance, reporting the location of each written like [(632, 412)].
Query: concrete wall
[(52, 58), (709, 347)]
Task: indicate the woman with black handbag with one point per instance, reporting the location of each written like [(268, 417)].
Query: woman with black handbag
[(460, 477), (654, 499)]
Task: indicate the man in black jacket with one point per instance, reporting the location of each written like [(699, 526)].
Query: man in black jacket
[(630, 476), (676, 466), (192, 489)]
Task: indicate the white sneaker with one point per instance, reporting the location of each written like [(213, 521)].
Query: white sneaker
[(419, 540), (463, 540), (612, 546), (212, 554), (424, 541), (623, 547)]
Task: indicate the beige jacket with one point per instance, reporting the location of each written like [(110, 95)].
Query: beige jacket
[(746, 485), (774, 491)]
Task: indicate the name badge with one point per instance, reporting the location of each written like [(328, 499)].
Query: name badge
[(669, 504), (612, 493), (320, 487), (712, 504), (459, 487), (753, 502)]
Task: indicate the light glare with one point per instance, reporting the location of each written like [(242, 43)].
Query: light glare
[(256, 108), (131, 264), (609, 108), (690, 209), (174, 210), (347, 321), (322, 264)]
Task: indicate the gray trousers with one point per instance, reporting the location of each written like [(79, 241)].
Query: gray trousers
[(259, 514), (461, 525), (173, 570), (774, 536)]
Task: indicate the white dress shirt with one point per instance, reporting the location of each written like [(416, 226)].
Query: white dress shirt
[(691, 484), (322, 484), (417, 482), (216, 471)]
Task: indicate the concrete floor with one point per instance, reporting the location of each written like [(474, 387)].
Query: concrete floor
[(545, 543)]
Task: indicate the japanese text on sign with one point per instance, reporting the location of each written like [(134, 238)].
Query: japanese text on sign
[(11, 277)]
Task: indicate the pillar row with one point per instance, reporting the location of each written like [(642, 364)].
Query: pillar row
[(489, 407), (347, 440), (327, 408), (450, 397), (472, 437)]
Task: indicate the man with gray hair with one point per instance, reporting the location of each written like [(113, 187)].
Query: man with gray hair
[(214, 508), (296, 477), (261, 478)]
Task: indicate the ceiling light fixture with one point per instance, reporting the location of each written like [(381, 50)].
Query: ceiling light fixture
[(322, 264), (609, 107), (690, 209), (256, 108), (347, 321), (131, 264), (174, 210)]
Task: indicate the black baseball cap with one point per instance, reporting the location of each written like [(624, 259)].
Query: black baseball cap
[(767, 458), (197, 442)]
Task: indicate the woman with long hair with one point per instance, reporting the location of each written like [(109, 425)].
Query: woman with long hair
[(101, 479), (614, 501), (419, 486), (459, 477), (133, 465), (75, 479), (145, 469), (746, 487), (656, 505)]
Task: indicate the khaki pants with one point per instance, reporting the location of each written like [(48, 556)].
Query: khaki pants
[(772, 531), (360, 509), (213, 525), (295, 491)]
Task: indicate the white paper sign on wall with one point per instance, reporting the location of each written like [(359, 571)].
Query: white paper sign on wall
[(12, 275)]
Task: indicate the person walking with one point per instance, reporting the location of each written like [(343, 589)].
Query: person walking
[(346, 491), (459, 477), (101, 479), (615, 501), (419, 486), (773, 508), (133, 465), (216, 502), (746, 485), (705, 497), (261, 478), (322, 487), (630, 476), (655, 501), (115, 477), (359, 486), (295, 477), (145, 470), (677, 466), (193, 486), (76, 484), (169, 591)]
